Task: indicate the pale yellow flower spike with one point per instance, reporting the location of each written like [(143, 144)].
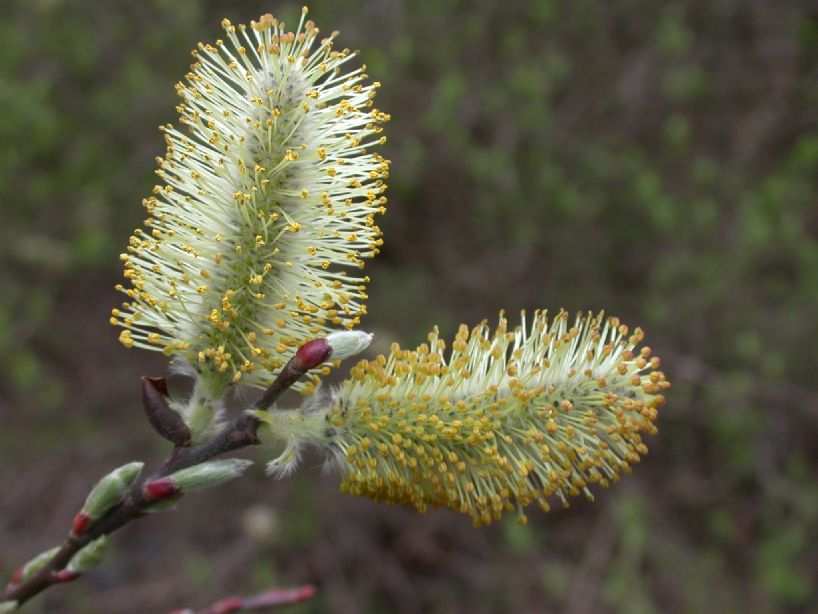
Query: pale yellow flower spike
[(508, 419), (265, 214)]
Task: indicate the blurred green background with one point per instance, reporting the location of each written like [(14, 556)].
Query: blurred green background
[(656, 159)]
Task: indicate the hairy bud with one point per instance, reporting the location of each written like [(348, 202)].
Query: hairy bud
[(210, 473), (160, 490), (106, 494), (347, 343), (33, 566), (166, 490), (89, 557)]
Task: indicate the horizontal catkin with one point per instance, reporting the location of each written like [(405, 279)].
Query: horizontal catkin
[(506, 419)]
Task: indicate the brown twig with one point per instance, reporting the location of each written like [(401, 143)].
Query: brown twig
[(240, 433), (267, 599)]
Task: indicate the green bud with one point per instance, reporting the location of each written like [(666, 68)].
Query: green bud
[(164, 504), (110, 490), (34, 565), (89, 557), (210, 473)]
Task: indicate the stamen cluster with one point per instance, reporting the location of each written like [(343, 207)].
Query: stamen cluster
[(267, 207), (508, 419)]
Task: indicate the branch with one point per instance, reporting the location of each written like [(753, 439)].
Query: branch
[(267, 599), (240, 433)]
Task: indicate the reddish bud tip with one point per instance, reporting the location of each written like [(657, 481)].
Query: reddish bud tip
[(160, 489), (17, 576), (81, 522), (313, 353), (66, 575), (305, 592)]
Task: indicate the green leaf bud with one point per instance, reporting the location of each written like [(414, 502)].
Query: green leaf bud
[(33, 566), (89, 557), (110, 490), (210, 473)]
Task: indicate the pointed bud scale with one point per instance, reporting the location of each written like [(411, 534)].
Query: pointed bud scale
[(107, 493), (313, 353), (168, 423), (347, 343), (210, 473), (160, 489), (89, 557)]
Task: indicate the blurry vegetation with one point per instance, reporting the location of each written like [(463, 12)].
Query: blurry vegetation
[(655, 159)]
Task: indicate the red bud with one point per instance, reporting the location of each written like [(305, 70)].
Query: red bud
[(66, 575), (81, 522), (17, 576), (302, 593), (313, 353), (160, 489), (308, 356)]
